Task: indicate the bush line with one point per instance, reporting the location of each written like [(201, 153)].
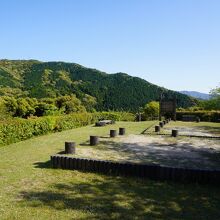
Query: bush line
[(211, 116), (14, 130)]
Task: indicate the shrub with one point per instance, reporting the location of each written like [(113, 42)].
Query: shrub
[(151, 110), (73, 121), (115, 116), (18, 129), (21, 129), (212, 116)]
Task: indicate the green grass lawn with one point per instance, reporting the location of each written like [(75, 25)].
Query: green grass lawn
[(30, 189)]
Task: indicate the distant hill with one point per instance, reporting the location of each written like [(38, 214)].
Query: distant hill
[(119, 91), (197, 95)]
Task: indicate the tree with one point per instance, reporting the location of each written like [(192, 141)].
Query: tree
[(215, 93), (89, 102), (43, 109), (70, 104), (3, 110), (24, 109), (11, 105), (151, 110), (215, 98), (214, 102)]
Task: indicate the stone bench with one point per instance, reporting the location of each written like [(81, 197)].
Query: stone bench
[(104, 122)]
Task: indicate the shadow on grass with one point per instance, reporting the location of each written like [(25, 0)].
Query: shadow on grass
[(151, 127), (144, 131), (43, 165), (105, 137), (61, 152), (129, 198), (87, 143)]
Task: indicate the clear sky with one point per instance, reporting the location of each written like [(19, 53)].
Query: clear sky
[(172, 43)]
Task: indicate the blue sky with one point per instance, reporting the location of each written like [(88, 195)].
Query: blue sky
[(172, 43)]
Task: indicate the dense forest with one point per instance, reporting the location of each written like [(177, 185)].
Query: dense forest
[(119, 91)]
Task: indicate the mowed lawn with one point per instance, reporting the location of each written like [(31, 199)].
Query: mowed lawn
[(30, 189)]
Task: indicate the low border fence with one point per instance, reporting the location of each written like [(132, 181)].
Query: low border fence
[(184, 135), (154, 172)]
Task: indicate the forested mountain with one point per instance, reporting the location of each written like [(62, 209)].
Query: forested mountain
[(119, 91), (198, 95)]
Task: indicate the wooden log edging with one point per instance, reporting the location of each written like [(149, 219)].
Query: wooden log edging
[(157, 128), (70, 147), (154, 172), (94, 140), (175, 133), (113, 133), (121, 131), (184, 135)]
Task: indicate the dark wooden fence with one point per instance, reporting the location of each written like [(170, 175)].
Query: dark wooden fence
[(184, 135), (154, 172)]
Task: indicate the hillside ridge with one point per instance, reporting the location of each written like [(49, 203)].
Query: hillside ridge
[(117, 91), (196, 94)]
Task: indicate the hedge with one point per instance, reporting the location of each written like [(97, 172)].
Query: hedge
[(211, 116), (15, 130), (66, 122), (116, 116)]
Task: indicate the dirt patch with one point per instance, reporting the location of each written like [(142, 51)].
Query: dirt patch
[(189, 131), (181, 152), (178, 152)]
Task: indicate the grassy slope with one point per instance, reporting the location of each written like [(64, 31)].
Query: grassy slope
[(29, 189)]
